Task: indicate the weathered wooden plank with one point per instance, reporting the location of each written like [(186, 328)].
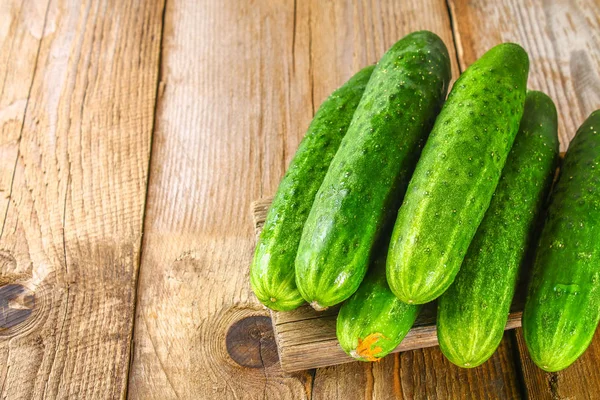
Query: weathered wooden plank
[(71, 241), (560, 37), (421, 374), (579, 381), (236, 97), (21, 26), (313, 344)]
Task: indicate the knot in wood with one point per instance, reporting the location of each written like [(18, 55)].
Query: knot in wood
[(16, 304), (251, 343)]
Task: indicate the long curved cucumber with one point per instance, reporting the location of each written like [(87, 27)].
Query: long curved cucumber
[(563, 303), (272, 274), (373, 322), (473, 312), (457, 174), (361, 189)]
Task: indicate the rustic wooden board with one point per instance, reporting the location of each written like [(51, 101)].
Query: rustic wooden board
[(306, 338), (421, 375), (78, 83), (310, 341), (21, 25)]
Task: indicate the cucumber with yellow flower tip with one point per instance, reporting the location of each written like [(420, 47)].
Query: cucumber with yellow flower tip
[(373, 322)]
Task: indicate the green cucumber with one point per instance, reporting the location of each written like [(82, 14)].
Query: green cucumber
[(563, 303), (373, 322), (361, 189), (472, 313), (272, 273), (457, 174)]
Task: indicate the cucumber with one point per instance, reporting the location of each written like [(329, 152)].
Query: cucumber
[(361, 189), (457, 174), (272, 271), (472, 313), (373, 322), (563, 302)]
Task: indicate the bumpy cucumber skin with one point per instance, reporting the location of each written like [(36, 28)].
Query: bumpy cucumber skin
[(373, 322), (457, 174), (473, 312), (563, 303), (272, 274), (360, 191)]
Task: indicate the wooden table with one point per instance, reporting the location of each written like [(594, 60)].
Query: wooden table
[(134, 136)]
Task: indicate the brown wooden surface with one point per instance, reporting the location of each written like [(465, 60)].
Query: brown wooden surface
[(78, 135), (228, 118), (409, 375), (580, 381), (168, 118), (22, 24)]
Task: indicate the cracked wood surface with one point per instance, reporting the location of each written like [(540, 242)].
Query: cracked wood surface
[(77, 106), (223, 92), (22, 26)]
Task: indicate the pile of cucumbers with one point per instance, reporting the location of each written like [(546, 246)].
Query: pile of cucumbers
[(398, 196)]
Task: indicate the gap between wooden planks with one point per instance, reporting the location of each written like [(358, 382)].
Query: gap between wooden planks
[(306, 338)]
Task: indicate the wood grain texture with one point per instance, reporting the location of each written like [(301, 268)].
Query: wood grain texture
[(312, 343), (560, 37), (421, 374), (307, 339), (579, 381), (346, 35), (72, 233), (235, 99), (21, 27)]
